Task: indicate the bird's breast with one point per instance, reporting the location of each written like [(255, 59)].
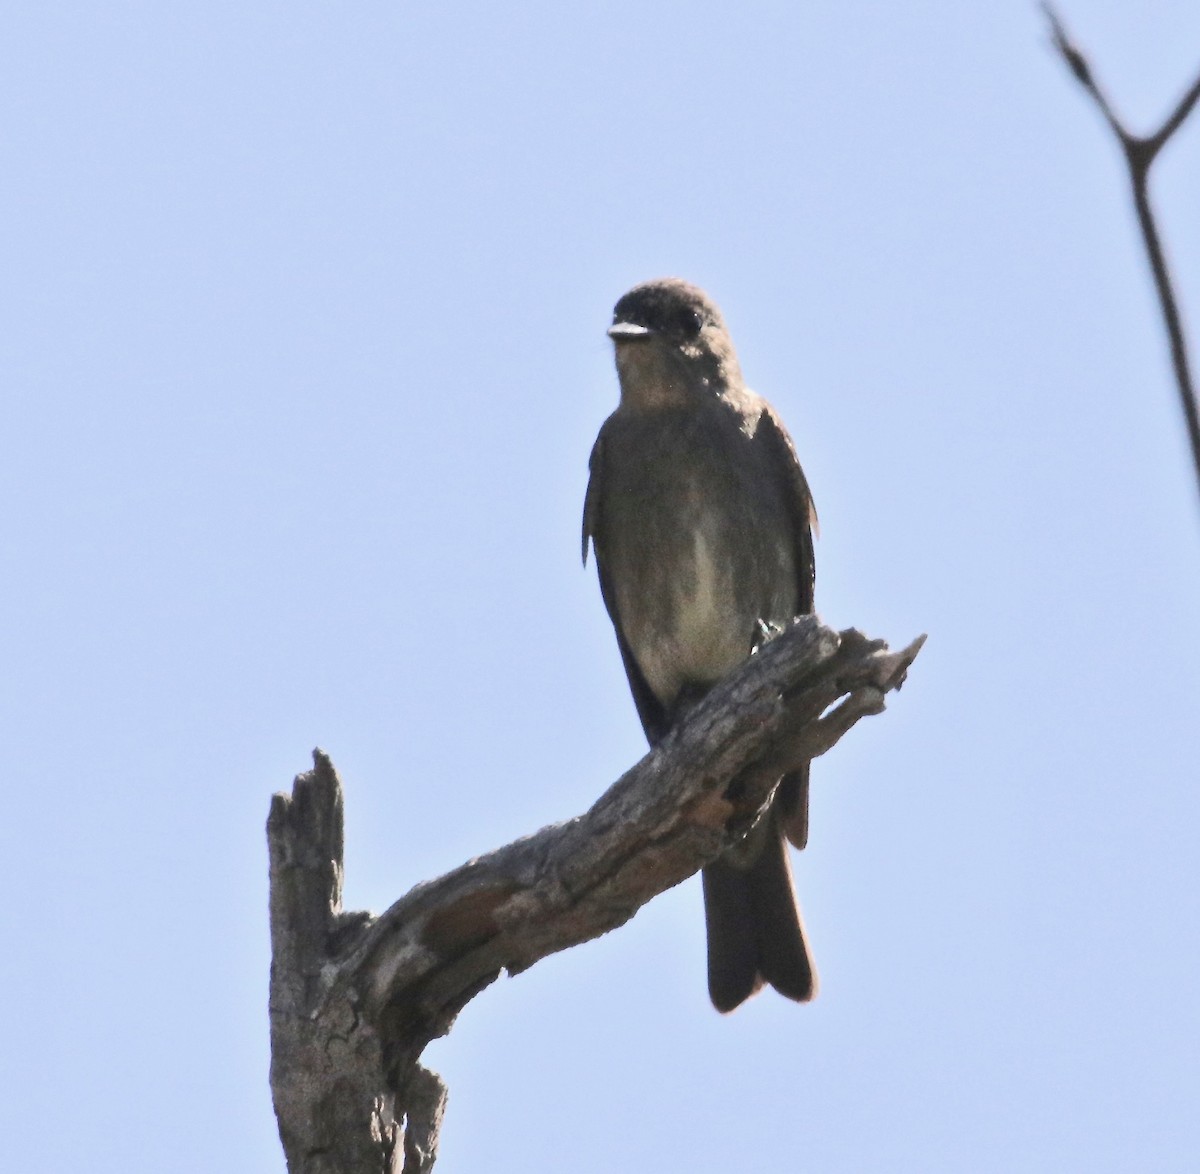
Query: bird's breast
[(700, 634), (696, 546), (691, 614)]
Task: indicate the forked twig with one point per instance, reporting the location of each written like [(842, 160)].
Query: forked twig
[(1140, 153)]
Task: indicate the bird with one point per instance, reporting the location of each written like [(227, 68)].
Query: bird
[(702, 525)]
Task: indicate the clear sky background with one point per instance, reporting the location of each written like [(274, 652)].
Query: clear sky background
[(302, 357)]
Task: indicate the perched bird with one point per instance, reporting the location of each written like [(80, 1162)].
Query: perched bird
[(702, 523)]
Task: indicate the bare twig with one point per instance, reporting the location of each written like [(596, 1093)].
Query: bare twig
[(355, 999), (1140, 152)]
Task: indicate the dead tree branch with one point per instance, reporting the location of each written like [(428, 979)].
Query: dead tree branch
[(355, 999), (1140, 153)]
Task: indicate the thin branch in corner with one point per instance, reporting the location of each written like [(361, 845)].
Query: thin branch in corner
[(1140, 153)]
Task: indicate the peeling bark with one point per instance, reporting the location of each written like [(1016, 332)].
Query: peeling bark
[(355, 999)]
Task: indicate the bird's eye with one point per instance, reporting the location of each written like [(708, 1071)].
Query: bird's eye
[(692, 323)]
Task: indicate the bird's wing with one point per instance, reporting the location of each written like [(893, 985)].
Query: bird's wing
[(791, 801), (772, 433), (591, 500), (651, 712)]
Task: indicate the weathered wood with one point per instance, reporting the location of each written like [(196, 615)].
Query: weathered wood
[(355, 999), (335, 1112)]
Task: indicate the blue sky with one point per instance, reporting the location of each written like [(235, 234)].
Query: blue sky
[(303, 356)]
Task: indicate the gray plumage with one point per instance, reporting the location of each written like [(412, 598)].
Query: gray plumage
[(701, 521)]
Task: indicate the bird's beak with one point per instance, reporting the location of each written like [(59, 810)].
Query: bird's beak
[(628, 332)]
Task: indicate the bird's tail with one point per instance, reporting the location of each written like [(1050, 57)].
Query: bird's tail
[(755, 933), (791, 806)]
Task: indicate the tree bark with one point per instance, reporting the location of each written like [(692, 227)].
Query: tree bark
[(355, 999)]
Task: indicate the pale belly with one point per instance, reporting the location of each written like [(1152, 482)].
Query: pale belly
[(696, 545), (703, 622)]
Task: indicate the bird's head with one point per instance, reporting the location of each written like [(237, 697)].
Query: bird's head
[(671, 342)]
